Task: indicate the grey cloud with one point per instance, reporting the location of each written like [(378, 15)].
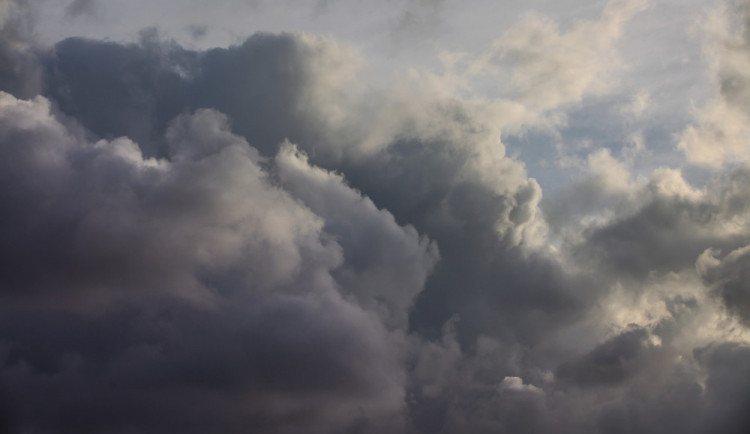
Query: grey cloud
[(301, 365), (101, 216), (474, 391), (197, 31), (670, 227), (269, 87), (226, 292), (609, 363), (277, 87), (464, 215), (417, 18), (118, 90), (321, 259), (734, 83), (727, 388), (729, 277), (263, 84), (81, 7), (659, 237), (20, 70), (387, 265)]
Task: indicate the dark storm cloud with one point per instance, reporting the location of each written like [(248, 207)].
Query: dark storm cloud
[(229, 240), (263, 84), (270, 86), (85, 216), (386, 265), (727, 388), (225, 286), (730, 279), (610, 362), (431, 177), (298, 364), (118, 90), (668, 230), (207, 221), (126, 226)]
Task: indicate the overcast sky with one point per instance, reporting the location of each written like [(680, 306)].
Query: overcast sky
[(348, 216)]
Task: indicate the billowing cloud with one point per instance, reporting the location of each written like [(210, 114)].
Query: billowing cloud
[(216, 282), (670, 224), (274, 237)]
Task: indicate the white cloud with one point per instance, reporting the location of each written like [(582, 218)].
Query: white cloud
[(515, 384)]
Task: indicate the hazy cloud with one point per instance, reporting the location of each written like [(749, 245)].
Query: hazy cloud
[(720, 134), (80, 7)]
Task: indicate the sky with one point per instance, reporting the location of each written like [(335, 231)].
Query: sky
[(359, 217)]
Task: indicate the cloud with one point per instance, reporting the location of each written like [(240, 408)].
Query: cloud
[(610, 362), (551, 67), (281, 86), (515, 384), (20, 72), (221, 288), (663, 224), (188, 210), (80, 7), (417, 18), (115, 214), (558, 67), (258, 237), (719, 135), (726, 385), (728, 277), (271, 86), (387, 265)]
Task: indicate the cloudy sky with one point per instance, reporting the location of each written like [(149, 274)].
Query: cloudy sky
[(350, 216)]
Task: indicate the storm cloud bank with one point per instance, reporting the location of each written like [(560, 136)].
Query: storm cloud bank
[(258, 239)]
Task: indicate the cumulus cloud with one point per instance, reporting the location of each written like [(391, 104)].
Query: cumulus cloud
[(227, 284), (669, 224), (111, 221), (387, 265), (258, 238)]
